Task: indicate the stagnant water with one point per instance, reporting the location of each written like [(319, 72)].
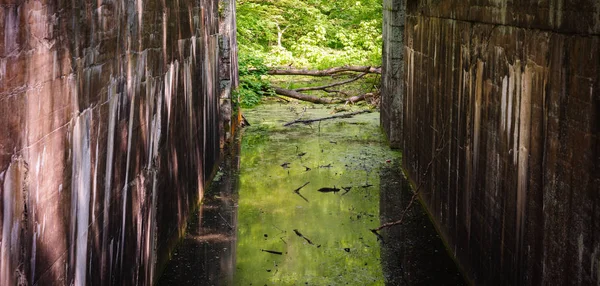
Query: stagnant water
[(295, 206)]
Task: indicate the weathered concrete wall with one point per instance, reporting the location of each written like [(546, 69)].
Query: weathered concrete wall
[(503, 97), (394, 14), (228, 68), (109, 114)]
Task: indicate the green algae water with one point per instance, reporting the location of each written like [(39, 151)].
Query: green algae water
[(294, 206), (323, 237)]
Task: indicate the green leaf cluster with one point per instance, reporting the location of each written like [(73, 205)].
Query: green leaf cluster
[(252, 83), (311, 33)]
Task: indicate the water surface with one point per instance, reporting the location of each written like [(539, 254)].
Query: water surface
[(273, 226)]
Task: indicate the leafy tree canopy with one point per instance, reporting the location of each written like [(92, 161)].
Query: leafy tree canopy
[(311, 33)]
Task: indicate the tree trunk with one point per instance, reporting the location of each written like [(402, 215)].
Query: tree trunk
[(327, 72), (325, 87)]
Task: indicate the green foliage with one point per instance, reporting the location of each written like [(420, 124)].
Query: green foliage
[(311, 33), (252, 84)]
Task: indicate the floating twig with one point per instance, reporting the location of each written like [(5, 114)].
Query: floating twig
[(272, 251), (297, 191), (416, 192), (305, 238), (346, 189), (308, 121), (329, 190)]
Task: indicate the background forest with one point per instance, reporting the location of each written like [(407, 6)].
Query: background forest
[(312, 34)]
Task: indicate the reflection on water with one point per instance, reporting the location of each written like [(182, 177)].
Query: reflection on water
[(413, 253), (308, 195), (206, 255)]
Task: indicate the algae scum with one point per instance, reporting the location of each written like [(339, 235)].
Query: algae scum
[(323, 236), (307, 197)]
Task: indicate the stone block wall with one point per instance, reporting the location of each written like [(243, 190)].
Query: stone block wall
[(503, 98), (109, 115)]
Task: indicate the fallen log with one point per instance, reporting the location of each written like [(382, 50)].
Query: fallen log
[(304, 97), (326, 72), (325, 87), (347, 115)]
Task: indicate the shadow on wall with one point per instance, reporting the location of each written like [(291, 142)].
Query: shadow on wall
[(110, 127)]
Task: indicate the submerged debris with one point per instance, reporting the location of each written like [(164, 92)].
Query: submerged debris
[(307, 169), (325, 166), (379, 237), (346, 189), (297, 191), (329, 190), (272, 251), (305, 238), (285, 165)]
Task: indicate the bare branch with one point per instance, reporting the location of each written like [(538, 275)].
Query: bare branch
[(417, 191), (324, 87), (347, 115)]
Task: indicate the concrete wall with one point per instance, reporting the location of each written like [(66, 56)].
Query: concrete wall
[(503, 98), (394, 14), (228, 68), (109, 115)]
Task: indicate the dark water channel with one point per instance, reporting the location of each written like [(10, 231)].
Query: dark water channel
[(295, 206)]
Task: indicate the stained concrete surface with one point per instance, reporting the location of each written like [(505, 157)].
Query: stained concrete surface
[(502, 98), (110, 127)]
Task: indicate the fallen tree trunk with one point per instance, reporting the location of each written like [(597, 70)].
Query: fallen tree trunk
[(358, 98), (308, 121), (326, 72), (304, 97), (325, 87)]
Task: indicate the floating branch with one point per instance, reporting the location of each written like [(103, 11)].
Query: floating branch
[(297, 192), (416, 193), (305, 238), (272, 251), (329, 190), (308, 121)]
